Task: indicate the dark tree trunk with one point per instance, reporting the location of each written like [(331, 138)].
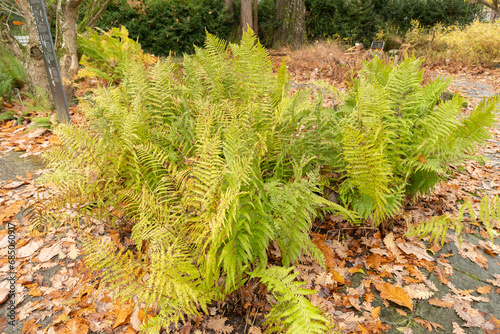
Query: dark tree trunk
[(246, 15), (292, 28), (66, 33), (255, 8), (230, 7)]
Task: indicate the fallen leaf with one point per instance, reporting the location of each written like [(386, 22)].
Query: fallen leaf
[(413, 249), (418, 291), (375, 312), (74, 252), (75, 326), (49, 252), (13, 185), (428, 324), (30, 327), (394, 294), (441, 274), (457, 329), (318, 240), (254, 330), (391, 246), (336, 276), (440, 303), (219, 325), (28, 249), (484, 290), (122, 312), (401, 312)]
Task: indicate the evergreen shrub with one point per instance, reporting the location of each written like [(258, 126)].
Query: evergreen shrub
[(359, 21), (169, 26)]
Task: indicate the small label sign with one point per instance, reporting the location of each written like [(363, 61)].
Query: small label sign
[(50, 59)]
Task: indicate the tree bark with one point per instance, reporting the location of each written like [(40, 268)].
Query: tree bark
[(33, 62), (255, 7), (246, 15), (93, 13), (13, 47), (292, 28), (66, 33), (230, 7)]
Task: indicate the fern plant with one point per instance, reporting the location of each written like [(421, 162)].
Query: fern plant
[(397, 137), (437, 227), (210, 164), (12, 75)]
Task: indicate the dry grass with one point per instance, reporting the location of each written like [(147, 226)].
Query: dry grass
[(323, 59), (476, 44)]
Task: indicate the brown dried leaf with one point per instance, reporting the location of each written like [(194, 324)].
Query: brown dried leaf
[(318, 240), (470, 251), (336, 276), (401, 312), (48, 253), (457, 329), (75, 326), (440, 303), (30, 327), (74, 252), (441, 274), (428, 324), (391, 246), (254, 330), (418, 291), (496, 281), (28, 249), (219, 326), (414, 249), (394, 294), (122, 312), (369, 297)]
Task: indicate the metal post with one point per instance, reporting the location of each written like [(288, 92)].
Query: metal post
[(50, 59)]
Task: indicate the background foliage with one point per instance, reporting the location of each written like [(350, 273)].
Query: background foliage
[(169, 26), (359, 21)]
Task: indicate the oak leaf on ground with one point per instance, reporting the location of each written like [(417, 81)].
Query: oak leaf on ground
[(394, 294)]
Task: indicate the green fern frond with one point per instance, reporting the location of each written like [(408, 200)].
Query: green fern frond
[(292, 313), (437, 227)]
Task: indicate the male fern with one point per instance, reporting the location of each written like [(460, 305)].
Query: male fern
[(210, 166)]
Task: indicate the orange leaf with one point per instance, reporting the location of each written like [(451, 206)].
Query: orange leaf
[(496, 322), (428, 324), (326, 250), (375, 312), (122, 312), (438, 302), (369, 297), (484, 290), (394, 294), (336, 276), (401, 312), (76, 326), (442, 276), (30, 327)]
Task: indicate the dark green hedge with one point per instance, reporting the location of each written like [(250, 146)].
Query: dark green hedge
[(166, 26), (360, 20)]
